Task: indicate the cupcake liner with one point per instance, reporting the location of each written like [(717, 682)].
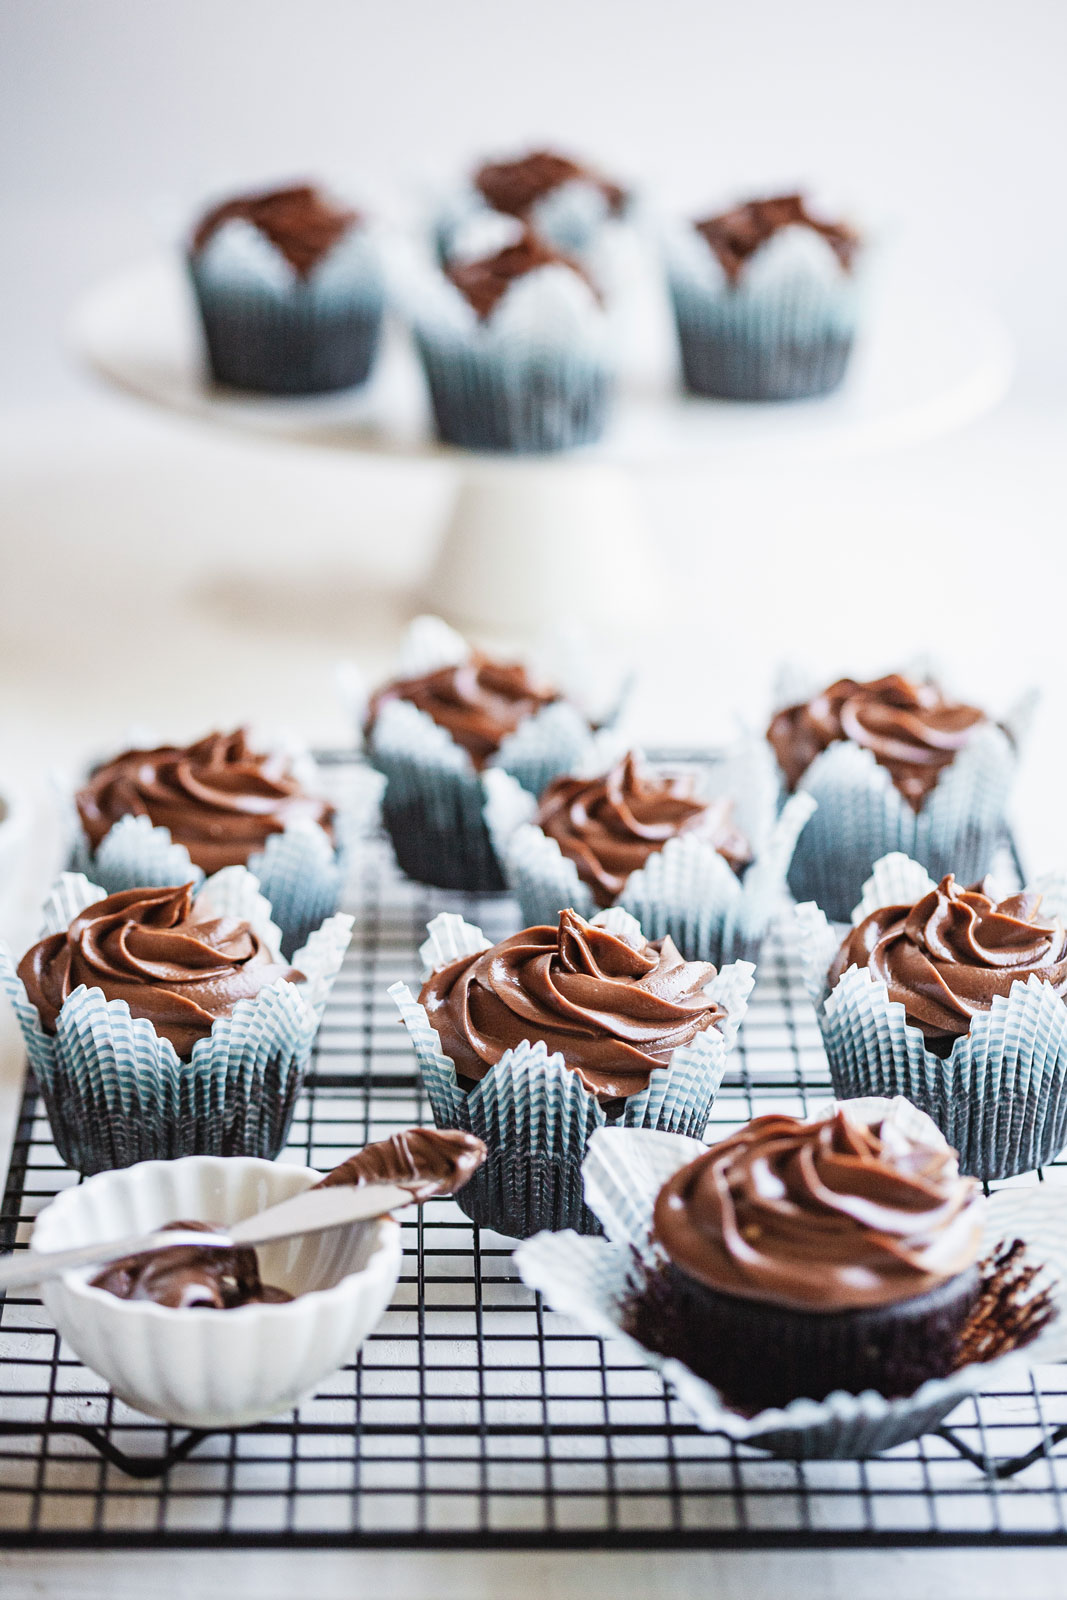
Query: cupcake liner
[(267, 329), (535, 1114), (1000, 1097), (571, 217), (116, 1092), (861, 816), (590, 1281), (686, 891)]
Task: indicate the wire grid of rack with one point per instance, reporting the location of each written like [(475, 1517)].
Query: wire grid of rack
[(474, 1416)]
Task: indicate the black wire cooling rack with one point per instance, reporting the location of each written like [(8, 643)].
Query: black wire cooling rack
[(474, 1416)]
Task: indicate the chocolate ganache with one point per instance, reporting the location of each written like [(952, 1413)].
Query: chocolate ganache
[(180, 968), (215, 1278), (948, 956), (736, 235), (614, 1012), (427, 1161), (909, 728), (478, 701), (300, 222), (821, 1216), (515, 187), (485, 282), (610, 825), (219, 798)]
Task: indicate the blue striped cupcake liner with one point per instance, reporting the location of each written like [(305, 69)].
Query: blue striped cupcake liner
[(862, 816), (686, 891), (1000, 1096), (535, 1114), (590, 1281), (116, 1092)]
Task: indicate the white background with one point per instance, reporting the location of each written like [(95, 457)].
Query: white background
[(151, 574)]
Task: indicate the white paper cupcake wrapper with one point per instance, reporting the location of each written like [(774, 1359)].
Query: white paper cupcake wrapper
[(117, 1092), (536, 1115), (686, 890), (590, 1280), (1000, 1097), (862, 816)]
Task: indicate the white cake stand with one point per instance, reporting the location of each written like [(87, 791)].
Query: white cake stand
[(929, 362)]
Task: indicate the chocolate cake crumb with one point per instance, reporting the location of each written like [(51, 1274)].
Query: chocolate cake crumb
[(1012, 1308)]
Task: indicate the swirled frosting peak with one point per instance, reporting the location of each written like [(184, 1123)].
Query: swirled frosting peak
[(219, 798), (948, 956), (180, 968), (610, 825), (301, 223), (613, 1010), (478, 701), (822, 1216), (909, 728)]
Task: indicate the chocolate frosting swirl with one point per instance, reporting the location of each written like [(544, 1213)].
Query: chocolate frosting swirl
[(609, 826), (300, 222), (515, 187), (219, 798), (485, 282), (185, 1278), (909, 728), (821, 1216), (150, 947), (614, 1012), (427, 1161), (948, 956), (479, 701), (736, 235)]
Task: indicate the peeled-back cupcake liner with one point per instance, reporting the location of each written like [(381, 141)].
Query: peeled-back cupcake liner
[(269, 330), (1000, 1097), (591, 1281), (535, 1114), (116, 1092), (861, 816), (300, 871), (686, 891)]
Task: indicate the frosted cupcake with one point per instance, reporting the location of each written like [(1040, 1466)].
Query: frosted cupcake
[(564, 201), (175, 812), (766, 300), (439, 729), (956, 999), (533, 1043), (161, 1024), (514, 343), (651, 842), (290, 293), (895, 765)]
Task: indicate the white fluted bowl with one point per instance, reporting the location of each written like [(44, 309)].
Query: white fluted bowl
[(217, 1369)]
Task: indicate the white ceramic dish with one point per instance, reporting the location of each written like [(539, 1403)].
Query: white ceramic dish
[(216, 1369)]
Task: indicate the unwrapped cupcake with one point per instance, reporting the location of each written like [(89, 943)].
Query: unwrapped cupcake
[(564, 201), (650, 841), (173, 813), (514, 342), (954, 997), (290, 291), (895, 765), (533, 1043), (437, 729), (160, 1023), (766, 298)]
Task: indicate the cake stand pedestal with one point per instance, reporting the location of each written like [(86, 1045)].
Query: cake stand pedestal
[(527, 534)]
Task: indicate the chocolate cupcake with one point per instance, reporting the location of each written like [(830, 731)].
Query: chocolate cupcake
[(562, 200), (290, 292), (893, 764), (957, 1000), (534, 1042), (765, 298), (176, 812), (804, 1257), (649, 841), (436, 732), (514, 343), (160, 1024)]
